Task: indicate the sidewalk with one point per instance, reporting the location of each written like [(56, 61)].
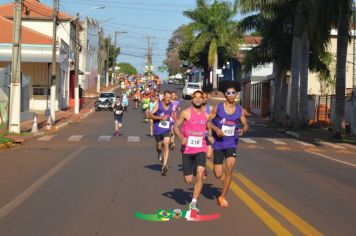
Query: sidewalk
[(311, 134), (63, 118)]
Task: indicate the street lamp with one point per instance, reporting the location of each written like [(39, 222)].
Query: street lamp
[(90, 9)]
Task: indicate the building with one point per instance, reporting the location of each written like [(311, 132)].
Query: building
[(88, 60), (39, 17), (257, 84), (36, 57)]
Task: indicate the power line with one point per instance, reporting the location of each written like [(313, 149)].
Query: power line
[(113, 5)]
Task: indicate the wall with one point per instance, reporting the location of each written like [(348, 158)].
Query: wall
[(313, 82), (88, 61)]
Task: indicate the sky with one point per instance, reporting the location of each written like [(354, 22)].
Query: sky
[(139, 18)]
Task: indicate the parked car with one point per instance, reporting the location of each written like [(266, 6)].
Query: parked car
[(190, 88), (177, 82), (105, 101), (170, 81)]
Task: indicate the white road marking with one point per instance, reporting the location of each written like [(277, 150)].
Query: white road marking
[(276, 141), (332, 145), (46, 138), (75, 138), (133, 138), (36, 185), (104, 138), (306, 144), (332, 159), (247, 140)]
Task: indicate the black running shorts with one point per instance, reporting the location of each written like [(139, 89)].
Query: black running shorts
[(189, 161), (220, 155)]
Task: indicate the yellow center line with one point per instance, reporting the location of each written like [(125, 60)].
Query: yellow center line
[(264, 216), (294, 219)]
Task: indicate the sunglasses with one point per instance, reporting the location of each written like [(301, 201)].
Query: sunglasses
[(230, 93)]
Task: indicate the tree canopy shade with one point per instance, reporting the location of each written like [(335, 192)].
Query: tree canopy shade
[(211, 33), (127, 68), (295, 36)]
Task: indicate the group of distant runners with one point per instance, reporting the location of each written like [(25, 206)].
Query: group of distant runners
[(204, 131)]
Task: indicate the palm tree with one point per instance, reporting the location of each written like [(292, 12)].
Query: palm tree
[(275, 47), (310, 23), (344, 14), (213, 26)]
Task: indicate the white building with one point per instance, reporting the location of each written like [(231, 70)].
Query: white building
[(38, 17), (88, 59)]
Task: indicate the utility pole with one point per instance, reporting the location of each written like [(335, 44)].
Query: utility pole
[(353, 108), (107, 62), (54, 63), (149, 50), (15, 87), (100, 68), (76, 68), (114, 59)]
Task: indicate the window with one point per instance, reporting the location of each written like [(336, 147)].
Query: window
[(41, 91)]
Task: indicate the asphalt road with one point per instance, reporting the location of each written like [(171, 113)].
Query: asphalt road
[(83, 181)]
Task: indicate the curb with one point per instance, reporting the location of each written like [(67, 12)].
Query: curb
[(61, 126), (293, 134)]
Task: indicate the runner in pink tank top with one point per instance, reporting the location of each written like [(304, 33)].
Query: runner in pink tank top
[(194, 130), (194, 127)]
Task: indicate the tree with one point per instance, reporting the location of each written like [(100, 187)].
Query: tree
[(344, 8), (213, 26), (310, 24), (276, 32), (114, 51), (173, 62), (127, 68)]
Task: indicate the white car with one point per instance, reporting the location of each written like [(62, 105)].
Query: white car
[(190, 88), (105, 101)]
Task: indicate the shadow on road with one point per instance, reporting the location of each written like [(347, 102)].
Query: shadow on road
[(156, 167), (182, 197)]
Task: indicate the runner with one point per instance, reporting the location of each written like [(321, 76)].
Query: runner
[(225, 120), (153, 103), (209, 139), (136, 97), (176, 109), (118, 114), (161, 116), (194, 128), (125, 101), (145, 106)]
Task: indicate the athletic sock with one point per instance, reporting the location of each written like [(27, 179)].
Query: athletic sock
[(194, 200)]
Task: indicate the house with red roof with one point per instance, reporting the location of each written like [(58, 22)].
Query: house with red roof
[(38, 17), (36, 57)]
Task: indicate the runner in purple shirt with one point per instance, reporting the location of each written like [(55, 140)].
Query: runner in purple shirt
[(226, 118), (162, 126), (176, 108)]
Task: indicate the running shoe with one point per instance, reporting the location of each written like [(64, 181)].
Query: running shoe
[(164, 170), (223, 202), (193, 206), (172, 146), (160, 158)]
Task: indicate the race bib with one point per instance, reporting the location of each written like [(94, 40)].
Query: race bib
[(228, 130), (164, 124), (118, 112), (195, 142)]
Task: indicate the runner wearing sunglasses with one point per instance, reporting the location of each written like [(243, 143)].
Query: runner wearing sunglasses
[(226, 117)]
